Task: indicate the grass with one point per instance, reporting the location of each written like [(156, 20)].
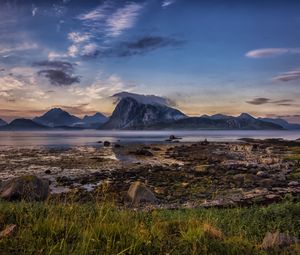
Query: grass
[(70, 228)]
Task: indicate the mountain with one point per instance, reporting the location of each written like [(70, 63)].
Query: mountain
[(242, 122), (133, 112), (282, 123), (94, 121), (2, 123), (56, 117), (23, 124)]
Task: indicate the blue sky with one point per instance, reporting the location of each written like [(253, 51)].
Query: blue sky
[(206, 56)]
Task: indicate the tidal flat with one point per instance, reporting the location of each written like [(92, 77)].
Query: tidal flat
[(180, 175)]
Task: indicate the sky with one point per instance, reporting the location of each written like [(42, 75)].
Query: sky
[(205, 57)]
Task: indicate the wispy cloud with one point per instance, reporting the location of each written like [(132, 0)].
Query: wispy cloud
[(288, 76), (167, 3), (137, 46), (259, 101), (103, 87), (7, 50), (77, 37), (123, 19), (271, 52), (263, 100)]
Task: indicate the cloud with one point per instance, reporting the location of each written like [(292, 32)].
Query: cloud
[(98, 14), (167, 3), (146, 44), (59, 77), (263, 100), (288, 76), (77, 37), (145, 99), (138, 46), (20, 83), (271, 52), (7, 50), (259, 101), (123, 19), (63, 65), (109, 21), (102, 87)]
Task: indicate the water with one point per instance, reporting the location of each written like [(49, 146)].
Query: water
[(91, 137)]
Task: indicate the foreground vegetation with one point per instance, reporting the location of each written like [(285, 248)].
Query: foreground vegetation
[(49, 228)]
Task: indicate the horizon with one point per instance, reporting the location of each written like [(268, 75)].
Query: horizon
[(200, 57)]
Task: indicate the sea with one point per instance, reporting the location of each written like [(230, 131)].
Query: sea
[(95, 137)]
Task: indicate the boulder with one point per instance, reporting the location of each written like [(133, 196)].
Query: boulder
[(139, 193), (106, 144), (278, 240), (29, 188), (293, 183), (144, 152), (262, 174)]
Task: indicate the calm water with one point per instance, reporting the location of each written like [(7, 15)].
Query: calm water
[(91, 137)]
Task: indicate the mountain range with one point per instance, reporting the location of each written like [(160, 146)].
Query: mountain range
[(134, 111)]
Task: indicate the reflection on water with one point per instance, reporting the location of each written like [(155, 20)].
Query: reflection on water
[(92, 137)]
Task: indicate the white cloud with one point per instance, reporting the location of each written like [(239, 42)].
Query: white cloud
[(73, 51), (97, 14), (21, 83), (167, 3), (101, 88), (89, 49), (271, 52), (34, 10), (124, 18), (7, 50), (288, 76), (76, 37)]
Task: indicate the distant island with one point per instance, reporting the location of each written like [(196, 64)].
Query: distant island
[(140, 112)]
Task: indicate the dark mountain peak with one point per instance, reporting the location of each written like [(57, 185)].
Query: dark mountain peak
[(23, 124), (94, 120), (134, 113), (57, 117), (219, 116), (246, 116), (2, 123)]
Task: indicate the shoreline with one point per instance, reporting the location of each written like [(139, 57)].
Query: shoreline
[(181, 175)]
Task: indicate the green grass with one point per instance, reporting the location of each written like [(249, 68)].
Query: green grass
[(50, 228)]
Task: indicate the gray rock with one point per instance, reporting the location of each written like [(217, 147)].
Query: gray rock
[(262, 174), (278, 240), (139, 193), (293, 183), (29, 188)]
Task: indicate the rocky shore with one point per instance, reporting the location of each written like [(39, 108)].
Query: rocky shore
[(177, 175)]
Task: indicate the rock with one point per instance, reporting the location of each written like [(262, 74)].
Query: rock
[(99, 142), (205, 142), (29, 188), (144, 152), (278, 240), (117, 145), (173, 137), (293, 183), (139, 193), (262, 174), (47, 171), (106, 144), (9, 231)]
